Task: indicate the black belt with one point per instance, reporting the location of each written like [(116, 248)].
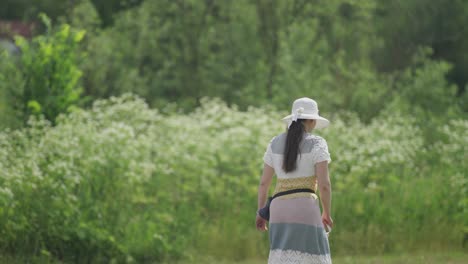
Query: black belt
[(293, 191)]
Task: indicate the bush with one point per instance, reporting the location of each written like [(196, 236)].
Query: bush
[(45, 79), (123, 182)]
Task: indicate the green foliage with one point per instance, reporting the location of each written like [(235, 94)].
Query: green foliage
[(166, 51), (260, 52), (9, 78), (349, 54), (85, 17), (251, 53), (240, 52), (423, 91), (24, 9), (424, 86), (45, 78), (123, 182), (406, 26)]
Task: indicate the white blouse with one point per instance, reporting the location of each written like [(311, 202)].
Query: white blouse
[(312, 149)]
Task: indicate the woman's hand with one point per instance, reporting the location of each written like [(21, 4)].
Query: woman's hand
[(327, 220), (261, 224)]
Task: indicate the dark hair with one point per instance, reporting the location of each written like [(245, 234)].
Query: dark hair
[(291, 149)]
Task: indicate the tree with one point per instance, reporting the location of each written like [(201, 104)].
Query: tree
[(45, 79)]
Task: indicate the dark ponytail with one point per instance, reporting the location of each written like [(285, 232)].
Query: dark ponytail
[(291, 149)]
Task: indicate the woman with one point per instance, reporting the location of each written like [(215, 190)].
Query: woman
[(300, 160)]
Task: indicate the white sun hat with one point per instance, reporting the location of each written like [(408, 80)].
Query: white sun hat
[(306, 108)]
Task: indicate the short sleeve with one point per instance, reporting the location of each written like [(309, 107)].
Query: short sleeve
[(321, 151), (267, 156)]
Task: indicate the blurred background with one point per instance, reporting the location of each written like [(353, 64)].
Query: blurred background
[(133, 131)]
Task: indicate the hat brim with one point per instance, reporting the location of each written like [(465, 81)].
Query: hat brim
[(321, 121)]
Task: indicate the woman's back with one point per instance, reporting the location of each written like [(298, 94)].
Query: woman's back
[(312, 149)]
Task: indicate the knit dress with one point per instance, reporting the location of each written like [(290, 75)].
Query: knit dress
[(296, 231)]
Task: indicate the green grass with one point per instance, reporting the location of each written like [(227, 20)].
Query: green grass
[(416, 258)]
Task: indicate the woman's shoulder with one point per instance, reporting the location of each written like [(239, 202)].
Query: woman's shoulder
[(313, 137), (316, 142), (278, 137), (308, 137), (277, 143)]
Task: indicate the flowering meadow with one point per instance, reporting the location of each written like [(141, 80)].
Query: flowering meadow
[(122, 182)]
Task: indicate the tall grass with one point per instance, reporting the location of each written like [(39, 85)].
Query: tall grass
[(123, 182)]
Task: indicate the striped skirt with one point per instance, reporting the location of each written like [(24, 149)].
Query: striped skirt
[(296, 232)]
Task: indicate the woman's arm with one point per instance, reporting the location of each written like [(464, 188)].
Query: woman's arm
[(324, 184), (265, 182)]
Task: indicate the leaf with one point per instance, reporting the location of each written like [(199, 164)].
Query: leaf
[(34, 106), (79, 36)]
